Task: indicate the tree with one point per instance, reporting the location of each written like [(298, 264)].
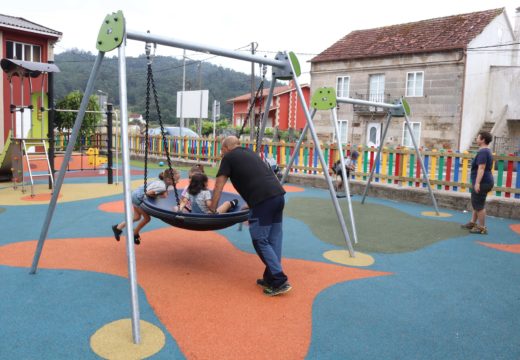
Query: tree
[(72, 101)]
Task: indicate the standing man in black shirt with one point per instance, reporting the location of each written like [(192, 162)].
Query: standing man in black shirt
[(264, 195)]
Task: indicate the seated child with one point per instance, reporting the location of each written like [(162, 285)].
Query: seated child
[(200, 197), (153, 189), (195, 169)]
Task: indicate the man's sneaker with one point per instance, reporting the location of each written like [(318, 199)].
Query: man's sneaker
[(137, 239), (262, 283), (117, 232), (479, 230), (468, 226), (270, 291), (233, 203)]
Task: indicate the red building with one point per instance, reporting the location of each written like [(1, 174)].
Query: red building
[(286, 111), (29, 42)]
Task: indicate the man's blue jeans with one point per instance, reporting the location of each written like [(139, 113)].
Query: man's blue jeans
[(265, 227)]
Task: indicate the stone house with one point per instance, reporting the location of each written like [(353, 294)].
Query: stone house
[(443, 67)]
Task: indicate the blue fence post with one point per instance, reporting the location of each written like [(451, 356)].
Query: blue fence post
[(456, 171), (426, 164)]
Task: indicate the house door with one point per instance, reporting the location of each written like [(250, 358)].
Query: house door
[(374, 134)]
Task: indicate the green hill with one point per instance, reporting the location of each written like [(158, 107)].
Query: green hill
[(222, 83)]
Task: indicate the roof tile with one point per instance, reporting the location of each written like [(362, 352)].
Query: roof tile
[(21, 23), (439, 34)]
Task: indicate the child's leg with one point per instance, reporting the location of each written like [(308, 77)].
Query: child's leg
[(225, 207), (136, 215), (145, 220)]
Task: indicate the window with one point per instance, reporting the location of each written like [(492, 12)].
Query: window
[(21, 51), (407, 139), (342, 86), (414, 83), (343, 131), (377, 88)]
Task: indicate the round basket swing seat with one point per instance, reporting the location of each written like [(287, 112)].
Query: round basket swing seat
[(162, 208)]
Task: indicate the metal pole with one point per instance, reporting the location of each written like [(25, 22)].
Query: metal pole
[(127, 180), (214, 116), (182, 94), (296, 149), (110, 164), (419, 157), (385, 130), (345, 177), (323, 163), (188, 45), (118, 131), (50, 120), (42, 107), (266, 115), (200, 94), (22, 135), (369, 103), (66, 159), (252, 114), (12, 108)]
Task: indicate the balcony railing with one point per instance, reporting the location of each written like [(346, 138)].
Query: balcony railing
[(365, 109)]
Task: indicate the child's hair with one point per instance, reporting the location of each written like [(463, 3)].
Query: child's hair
[(198, 168), (167, 174), (198, 183)]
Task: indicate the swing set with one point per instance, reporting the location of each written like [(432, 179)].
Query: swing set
[(285, 66)]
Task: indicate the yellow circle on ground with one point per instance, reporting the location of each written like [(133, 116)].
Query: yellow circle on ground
[(343, 257), (434, 214), (115, 340)]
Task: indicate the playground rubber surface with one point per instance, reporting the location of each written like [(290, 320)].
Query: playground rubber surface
[(419, 287)]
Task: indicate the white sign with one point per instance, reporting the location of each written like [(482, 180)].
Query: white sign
[(192, 104)]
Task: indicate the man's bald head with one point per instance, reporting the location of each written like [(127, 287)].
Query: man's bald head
[(229, 143)]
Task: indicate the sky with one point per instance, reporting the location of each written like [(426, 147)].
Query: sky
[(275, 25)]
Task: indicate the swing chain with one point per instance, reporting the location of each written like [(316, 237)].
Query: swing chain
[(260, 105), (150, 81), (254, 101)]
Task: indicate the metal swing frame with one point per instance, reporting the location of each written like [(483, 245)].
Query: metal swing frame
[(113, 34)]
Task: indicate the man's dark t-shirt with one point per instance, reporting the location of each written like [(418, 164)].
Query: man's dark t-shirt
[(484, 156), (252, 178)]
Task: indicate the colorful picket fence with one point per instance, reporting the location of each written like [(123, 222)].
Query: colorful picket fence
[(447, 170)]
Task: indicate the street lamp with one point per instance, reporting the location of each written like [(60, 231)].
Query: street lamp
[(103, 99)]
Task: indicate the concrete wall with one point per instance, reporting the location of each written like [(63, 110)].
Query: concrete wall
[(477, 76), (500, 207), (438, 110)]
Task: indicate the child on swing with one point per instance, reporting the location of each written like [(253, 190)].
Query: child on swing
[(200, 197), (153, 189), (195, 169)]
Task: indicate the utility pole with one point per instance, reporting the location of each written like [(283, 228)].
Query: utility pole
[(183, 88), (200, 94), (216, 115), (254, 46)]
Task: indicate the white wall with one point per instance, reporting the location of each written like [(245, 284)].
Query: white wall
[(503, 97), (478, 74)]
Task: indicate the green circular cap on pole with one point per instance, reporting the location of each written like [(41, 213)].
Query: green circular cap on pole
[(406, 106), (295, 63), (112, 32), (324, 98)]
